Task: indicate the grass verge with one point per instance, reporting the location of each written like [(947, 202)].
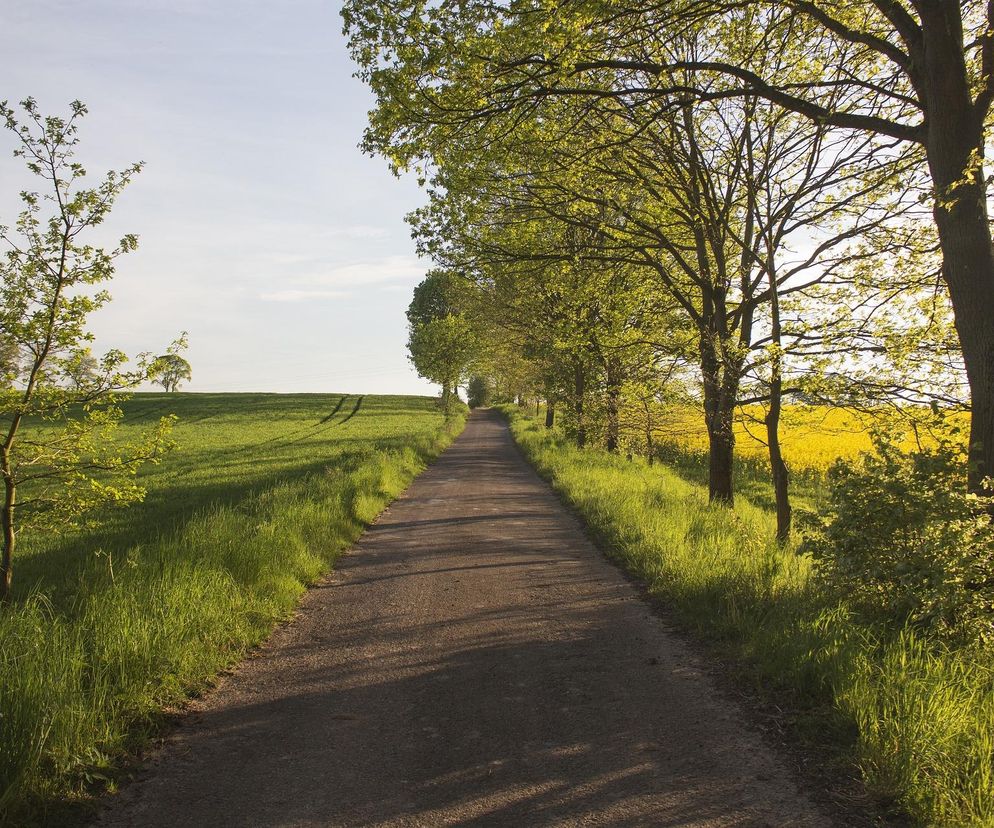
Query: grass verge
[(110, 631), (917, 718)]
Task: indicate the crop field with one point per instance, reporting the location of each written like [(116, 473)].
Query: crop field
[(111, 624), (812, 439)]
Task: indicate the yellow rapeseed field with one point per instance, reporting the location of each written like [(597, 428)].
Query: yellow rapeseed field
[(813, 437)]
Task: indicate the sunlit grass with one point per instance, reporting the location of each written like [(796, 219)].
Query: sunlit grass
[(915, 717), (111, 626)]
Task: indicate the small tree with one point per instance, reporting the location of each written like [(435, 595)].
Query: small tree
[(170, 369), (58, 412)]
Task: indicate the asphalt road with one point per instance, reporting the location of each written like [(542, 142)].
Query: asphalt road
[(473, 660)]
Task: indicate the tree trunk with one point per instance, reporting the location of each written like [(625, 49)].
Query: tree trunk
[(550, 414), (954, 147), (650, 449), (968, 270), (781, 483), (718, 416), (9, 538), (778, 468), (721, 450), (613, 412), (579, 389)]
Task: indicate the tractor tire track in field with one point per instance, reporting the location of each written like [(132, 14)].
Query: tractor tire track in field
[(284, 440), (335, 410), (354, 411), (473, 660)]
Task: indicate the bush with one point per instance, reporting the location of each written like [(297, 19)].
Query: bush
[(905, 543)]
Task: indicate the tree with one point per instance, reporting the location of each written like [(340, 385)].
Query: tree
[(913, 73), (632, 94), (436, 296), (478, 391), (579, 321), (170, 369), (441, 350), (441, 340), (82, 371), (58, 455), (919, 72)]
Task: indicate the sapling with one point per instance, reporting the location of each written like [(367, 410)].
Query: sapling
[(59, 413)]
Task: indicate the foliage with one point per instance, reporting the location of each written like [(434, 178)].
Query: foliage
[(112, 624), (441, 340), (478, 392), (771, 252), (706, 127), (170, 369), (442, 349), (905, 543), (917, 717), (51, 275), (435, 297)]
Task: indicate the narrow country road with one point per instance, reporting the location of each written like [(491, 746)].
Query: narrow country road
[(472, 661)]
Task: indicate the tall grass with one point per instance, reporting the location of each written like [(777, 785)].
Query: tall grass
[(106, 635), (922, 715)]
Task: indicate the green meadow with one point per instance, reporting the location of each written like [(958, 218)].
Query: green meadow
[(114, 624)]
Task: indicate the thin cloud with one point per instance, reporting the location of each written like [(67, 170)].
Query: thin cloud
[(301, 295), (358, 231), (390, 269)]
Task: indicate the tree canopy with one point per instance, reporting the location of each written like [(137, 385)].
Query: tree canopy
[(802, 181)]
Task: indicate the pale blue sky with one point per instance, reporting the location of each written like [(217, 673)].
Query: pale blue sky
[(264, 231)]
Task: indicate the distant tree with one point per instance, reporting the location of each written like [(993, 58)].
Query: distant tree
[(170, 369), (56, 474), (442, 341), (478, 391), (435, 297), (10, 361), (83, 371), (441, 351)]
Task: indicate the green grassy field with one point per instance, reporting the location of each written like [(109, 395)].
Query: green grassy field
[(915, 717), (110, 626)]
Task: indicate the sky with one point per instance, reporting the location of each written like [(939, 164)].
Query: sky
[(264, 232)]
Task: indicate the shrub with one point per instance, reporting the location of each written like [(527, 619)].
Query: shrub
[(905, 543)]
